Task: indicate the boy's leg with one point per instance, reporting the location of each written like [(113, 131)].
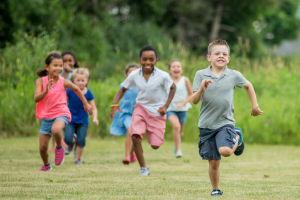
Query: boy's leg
[(128, 144), (181, 130), (214, 173), (81, 135), (138, 149), (44, 141), (176, 131), (227, 141)]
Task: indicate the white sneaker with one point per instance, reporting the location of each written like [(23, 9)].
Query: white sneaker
[(145, 171)]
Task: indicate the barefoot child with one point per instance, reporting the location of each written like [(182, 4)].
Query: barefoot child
[(80, 121), (177, 111), (50, 95), (214, 87), (152, 100), (121, 124)]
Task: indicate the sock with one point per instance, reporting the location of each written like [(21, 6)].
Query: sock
[(143, 167), (48, 165), (59, 147)]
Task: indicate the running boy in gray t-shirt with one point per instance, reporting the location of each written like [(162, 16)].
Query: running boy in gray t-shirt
[(214, 87)]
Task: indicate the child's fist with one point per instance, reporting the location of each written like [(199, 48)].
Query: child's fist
[(96, 122), (162, 111), (256, 111)]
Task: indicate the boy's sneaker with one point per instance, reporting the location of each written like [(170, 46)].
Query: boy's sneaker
[(241, 144), (59, 156), (133, 157), (216, 192), (46, 167), (77, 162), (145, 171)]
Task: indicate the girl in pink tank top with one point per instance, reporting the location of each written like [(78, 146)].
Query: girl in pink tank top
[(50, 95)]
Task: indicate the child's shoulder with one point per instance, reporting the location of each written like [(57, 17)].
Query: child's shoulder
[(233, 72)]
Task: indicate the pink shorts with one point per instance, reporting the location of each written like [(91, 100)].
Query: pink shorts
[(142, 119)]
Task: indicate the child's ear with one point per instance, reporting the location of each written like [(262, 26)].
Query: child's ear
[(208, 57), (47, 67)]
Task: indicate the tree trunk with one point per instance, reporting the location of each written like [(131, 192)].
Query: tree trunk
[(216, 23)]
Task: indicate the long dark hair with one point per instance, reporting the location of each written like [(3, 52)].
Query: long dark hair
[(50, 57), (73, 55)]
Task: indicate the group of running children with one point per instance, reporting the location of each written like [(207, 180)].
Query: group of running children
[(149, 97)]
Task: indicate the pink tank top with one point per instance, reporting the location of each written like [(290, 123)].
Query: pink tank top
[(54, 104)]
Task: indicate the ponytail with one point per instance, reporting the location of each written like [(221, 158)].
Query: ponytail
[(42, 72)]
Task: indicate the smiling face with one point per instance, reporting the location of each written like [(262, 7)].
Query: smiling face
[(69, 60), (55, 68), (219, 56), (148, 60), (175, 69), (81, 81)]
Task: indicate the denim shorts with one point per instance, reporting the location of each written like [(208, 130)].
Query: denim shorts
[(80, 130), (212, 139), (182, 115), (47, 124)]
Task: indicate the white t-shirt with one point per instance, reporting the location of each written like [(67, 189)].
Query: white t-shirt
[(152, 94)]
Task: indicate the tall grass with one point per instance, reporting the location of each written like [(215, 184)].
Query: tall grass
[(275, 80)]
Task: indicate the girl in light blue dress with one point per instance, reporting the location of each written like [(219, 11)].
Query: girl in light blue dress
[(121, 124)]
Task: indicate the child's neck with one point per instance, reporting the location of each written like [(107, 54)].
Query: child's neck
[(217, 71), (84, 90), (176, 79), (55, 78)]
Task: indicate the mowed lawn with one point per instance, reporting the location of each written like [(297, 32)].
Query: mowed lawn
[(262, 172)]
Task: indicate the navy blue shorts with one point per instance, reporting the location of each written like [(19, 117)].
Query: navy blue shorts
[(182, 115), (212, 139)]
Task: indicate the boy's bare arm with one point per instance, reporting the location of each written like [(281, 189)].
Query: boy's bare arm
[(255, 111), (196, 97), (116, 100), (163, 110)]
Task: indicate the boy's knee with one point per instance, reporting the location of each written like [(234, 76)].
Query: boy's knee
[(177, 128), (214, 164), (154, 147), (136, 139), (225, 151)]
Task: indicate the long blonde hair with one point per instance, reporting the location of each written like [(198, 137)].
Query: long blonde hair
[(80, 71)]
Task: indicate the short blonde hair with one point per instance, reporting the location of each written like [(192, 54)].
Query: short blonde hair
[(174, 60), (80, 71), (217, 42)]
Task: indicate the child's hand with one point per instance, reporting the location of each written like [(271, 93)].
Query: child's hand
[(88, 109), (179, 106), (256, 111), (49, 85), (67, 68), (162, 111), (113, 112), (96, 122), (204, 84)]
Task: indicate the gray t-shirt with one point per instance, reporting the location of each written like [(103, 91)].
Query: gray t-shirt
[(216, 108)]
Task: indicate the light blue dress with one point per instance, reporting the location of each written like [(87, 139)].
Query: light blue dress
[(122, 121)]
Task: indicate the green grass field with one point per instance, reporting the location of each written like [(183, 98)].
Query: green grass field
[(262, 172)]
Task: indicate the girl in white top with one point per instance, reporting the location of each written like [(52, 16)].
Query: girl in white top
[(177, 111)]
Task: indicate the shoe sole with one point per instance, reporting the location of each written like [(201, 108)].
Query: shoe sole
[(243, 144), (61, 162)]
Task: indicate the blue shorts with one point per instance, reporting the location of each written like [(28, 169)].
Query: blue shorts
[(120, 124), (212, 139), (182, 115), (80, 130), (47, 124)]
